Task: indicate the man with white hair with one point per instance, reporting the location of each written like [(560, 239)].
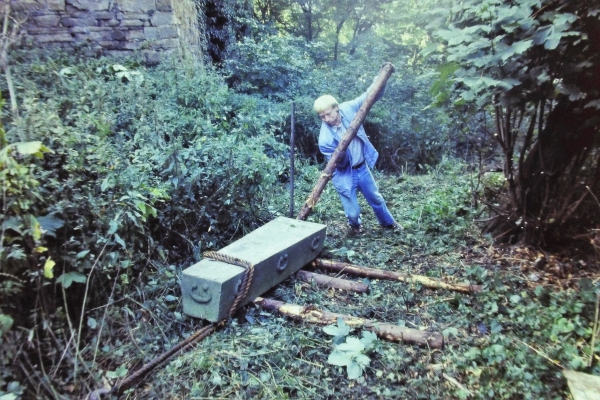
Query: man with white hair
[(352, 173)]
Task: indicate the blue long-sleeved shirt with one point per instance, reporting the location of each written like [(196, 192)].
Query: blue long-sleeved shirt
[(329, 141)]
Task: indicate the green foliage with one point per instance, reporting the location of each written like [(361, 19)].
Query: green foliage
[(127, 169), (531, 65), (274, 66), (530, 334), (351, 353)]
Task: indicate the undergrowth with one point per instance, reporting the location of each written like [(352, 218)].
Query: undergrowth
[(511, 341), (118, 177)]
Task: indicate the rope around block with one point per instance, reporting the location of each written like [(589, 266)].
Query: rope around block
[(246, 281)]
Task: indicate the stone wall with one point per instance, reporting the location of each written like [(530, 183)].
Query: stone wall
[(154, 28)]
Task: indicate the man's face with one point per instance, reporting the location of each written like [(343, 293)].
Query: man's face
[(331, 116)]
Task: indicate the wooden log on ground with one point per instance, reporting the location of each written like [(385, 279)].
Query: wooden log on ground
[(384, 74), (383, 330), (396, 276), (332, 282)]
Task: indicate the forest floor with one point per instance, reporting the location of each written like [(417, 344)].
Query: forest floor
[(534, 318)]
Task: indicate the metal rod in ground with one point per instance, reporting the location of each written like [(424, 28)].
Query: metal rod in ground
[(396, 276), (332, 282), (292, 151), (386, 71), (381, 329)]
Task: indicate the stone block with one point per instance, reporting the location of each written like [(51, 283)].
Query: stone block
[(118, 53), (137, 34), (47, 21), (90, 5), (161, 18), (151, 33), (152, 57), (70, 22), (54, 38), (140, 16), (110, 44), (33, 29), (53, 5), (111, 23), (164, 5), (168, 32), (132, 22), (99, 36), (102, 15), (118, 35), (165, 44), (141, 6), (80, 29), (277, 250), (132, 45)]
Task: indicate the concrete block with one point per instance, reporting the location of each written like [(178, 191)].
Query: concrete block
[(583, 386), (277, 250)]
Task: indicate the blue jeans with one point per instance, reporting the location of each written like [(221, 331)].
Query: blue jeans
[(363, 181)]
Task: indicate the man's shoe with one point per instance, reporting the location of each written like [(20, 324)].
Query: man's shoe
[(357, 230), (395, 227)]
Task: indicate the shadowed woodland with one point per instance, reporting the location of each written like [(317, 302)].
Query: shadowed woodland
[(117, 175)]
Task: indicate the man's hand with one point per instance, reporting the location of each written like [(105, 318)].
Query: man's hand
[(344, 161)]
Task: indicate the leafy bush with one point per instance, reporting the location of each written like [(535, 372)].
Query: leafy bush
[(127, 170)]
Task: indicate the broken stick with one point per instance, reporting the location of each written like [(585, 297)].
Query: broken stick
[(331, 282), (381, 329), (396, 276)]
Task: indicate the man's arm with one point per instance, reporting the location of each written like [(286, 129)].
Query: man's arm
[(328, 146)]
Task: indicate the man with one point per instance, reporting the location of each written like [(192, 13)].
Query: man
[(352, 173)]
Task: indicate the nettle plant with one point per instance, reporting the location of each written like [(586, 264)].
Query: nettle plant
[(350, 351)]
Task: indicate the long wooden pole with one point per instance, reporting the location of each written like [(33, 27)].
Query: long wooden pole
[(381, 329), (386, 71), (395, 276), (292, 169)]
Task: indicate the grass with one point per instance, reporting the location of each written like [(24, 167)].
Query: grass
[(511, 341)]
